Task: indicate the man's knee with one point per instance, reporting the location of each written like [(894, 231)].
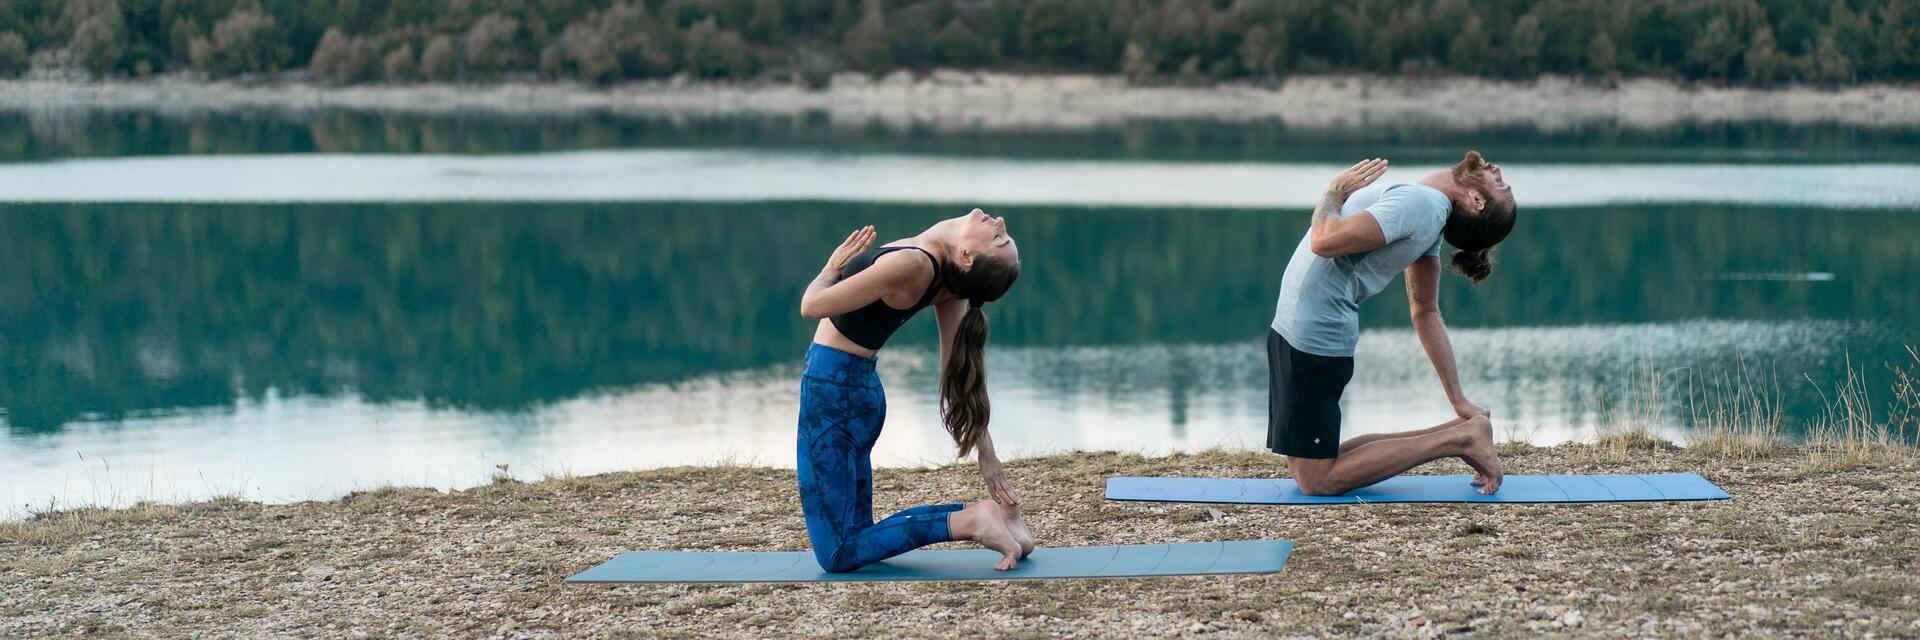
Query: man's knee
[(1311, 476), (1317, 487)]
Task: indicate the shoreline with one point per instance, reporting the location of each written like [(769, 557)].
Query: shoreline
[(964, 100), (1807, 545)]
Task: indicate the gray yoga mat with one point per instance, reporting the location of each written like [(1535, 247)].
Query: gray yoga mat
[(1514, 489), (1182, 559)]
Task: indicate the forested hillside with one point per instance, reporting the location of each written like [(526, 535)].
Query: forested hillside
[(1754, 42)]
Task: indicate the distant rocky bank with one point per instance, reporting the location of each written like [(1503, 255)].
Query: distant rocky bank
[(975, 100)]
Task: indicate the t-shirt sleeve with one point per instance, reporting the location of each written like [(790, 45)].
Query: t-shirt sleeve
[(1408, 212), (1395, 212)]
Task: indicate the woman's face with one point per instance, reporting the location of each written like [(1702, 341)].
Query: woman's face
[(984, 235)]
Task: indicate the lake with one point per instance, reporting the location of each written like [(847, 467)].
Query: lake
[(293, 306)]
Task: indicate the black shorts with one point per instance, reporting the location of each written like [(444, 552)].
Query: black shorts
[(1303, 399)]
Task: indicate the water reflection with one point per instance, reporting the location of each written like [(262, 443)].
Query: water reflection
[(39, 135), (1544, 384), (111, 311)]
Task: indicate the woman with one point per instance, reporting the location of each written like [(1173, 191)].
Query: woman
[(861, 298)]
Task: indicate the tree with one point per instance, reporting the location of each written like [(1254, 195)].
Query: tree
[(1259, 51), (1471, 50), (490, 42), (242, 42), (1071, 32), (1829, 65), (1600, 56), (1763, 62), (95, 30), (764, 23), (342, 57), (180, 39), (13, 54), (96, 43), (713, 52), (1714, 50), (958, 46), (1523, 48), (437, 60), (1139, 64), (400, 65), (621, 41), (1899, 29), (866, 43)]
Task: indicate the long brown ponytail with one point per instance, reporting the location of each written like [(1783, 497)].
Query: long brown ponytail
[(964, 407)]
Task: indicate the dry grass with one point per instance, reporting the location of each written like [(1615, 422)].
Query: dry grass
[(1735, 415), (1632, 419), (1847, 435), (1904, 411), (1800, 550)]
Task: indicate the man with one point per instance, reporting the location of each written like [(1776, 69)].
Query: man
[(1360, 238)]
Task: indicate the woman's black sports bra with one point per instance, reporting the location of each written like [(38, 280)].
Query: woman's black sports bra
[(871, 325)]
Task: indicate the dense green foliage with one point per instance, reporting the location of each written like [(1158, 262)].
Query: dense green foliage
[(1736, 41), (117, 309)]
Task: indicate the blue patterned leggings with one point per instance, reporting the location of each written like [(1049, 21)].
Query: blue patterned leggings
[(841, 410)]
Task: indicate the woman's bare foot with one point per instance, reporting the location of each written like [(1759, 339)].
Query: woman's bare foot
[(985, 522), (1018, 527), (1481, 456)]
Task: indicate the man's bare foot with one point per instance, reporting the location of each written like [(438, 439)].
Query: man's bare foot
[(1481, 456), (1018, 527), (985, 522)]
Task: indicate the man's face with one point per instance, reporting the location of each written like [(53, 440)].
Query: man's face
[(1483, 179)]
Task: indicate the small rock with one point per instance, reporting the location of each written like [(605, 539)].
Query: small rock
[(1197, 628), (1349, 615), (1418, 621), (506, 627)]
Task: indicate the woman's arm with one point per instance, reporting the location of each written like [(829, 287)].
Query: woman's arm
[(1423, 300), (995, 476), (948, 315), (829, 296)]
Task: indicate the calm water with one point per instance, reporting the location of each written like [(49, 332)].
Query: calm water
[(264, 309)]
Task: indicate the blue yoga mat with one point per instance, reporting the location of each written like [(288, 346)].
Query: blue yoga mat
[(1514, 489), (1184, 559)]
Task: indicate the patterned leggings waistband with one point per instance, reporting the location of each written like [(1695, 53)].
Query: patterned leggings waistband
[(830, 365)]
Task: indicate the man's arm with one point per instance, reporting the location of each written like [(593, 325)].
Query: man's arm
[(1423, 300), (1334, 236)]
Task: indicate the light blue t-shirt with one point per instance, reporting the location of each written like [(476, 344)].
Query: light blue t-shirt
[(1319, 309)]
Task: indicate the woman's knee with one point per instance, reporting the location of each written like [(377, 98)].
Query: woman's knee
[(832, 561)]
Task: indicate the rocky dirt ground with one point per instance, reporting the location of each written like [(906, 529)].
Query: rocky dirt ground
[(1809, 545)]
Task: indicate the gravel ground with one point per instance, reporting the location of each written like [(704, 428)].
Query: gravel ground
[(1809, 545)]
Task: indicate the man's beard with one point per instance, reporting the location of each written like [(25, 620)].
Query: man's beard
[(1468, 171)]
